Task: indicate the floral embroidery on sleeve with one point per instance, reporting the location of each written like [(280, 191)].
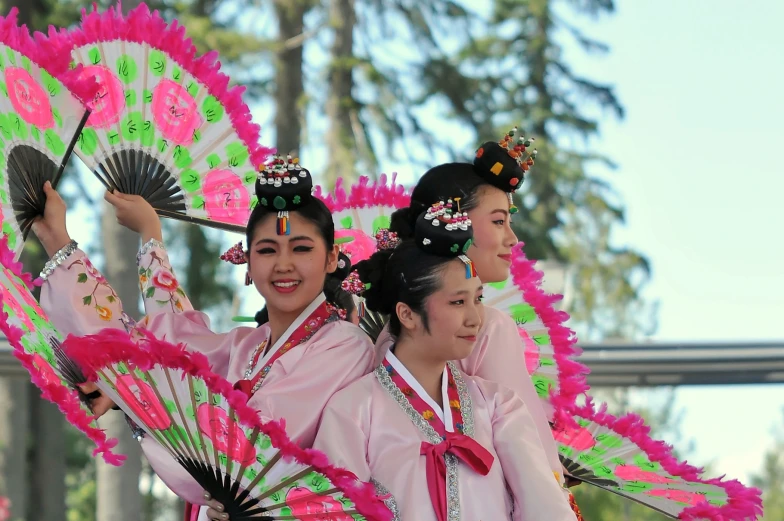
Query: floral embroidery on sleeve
[(97, 298), (157, 282)]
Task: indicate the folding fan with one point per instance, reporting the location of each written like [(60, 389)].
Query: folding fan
[(550, 349), (164, 123), (41, 116), (37, 344), (249, 466), (617, 454)]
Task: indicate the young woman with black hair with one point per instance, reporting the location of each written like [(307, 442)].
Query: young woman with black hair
[(444, 446), (486, 187), (288, 367)]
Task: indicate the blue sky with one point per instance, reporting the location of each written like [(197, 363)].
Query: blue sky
[(701, 176)]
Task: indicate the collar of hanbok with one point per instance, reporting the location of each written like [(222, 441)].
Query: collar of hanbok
[(449, 430)]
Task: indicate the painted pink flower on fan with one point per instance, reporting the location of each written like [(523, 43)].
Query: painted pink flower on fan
[(633, 473), (175, 112), (531, 351), (165, 280), (28, 98), (109, 100), (93, 272), (680, 496), (5, 508), (216, 425), (45, 370), (361, 248), (580, 438), (225, 197), (303, 502), (142, 400)]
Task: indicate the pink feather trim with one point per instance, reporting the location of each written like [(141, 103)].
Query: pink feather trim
[(571, 374), (51, 59), (66, 399), (744, 502), (365, 193), (143, 26), (113, 345)]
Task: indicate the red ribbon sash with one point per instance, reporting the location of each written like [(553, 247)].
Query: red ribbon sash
[(467, 450)]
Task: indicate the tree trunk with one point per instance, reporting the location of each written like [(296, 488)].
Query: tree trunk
[(118, 496), (14, 424), (47, 464), (289, 86), (341, 141)]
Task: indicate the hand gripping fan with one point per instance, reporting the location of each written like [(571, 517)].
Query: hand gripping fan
[(37, 344), (164, 124), (550, 349), (41, 116), (618, 455), (248, 465)]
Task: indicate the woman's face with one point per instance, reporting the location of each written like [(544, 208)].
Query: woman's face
[(289, 270), (491, 250), (455, 313)]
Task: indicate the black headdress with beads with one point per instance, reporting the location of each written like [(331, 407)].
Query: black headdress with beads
[(504, 163), (284, 186), (445, 231)]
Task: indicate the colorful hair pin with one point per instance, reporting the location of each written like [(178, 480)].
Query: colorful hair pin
[(470, 270), (235, 255), (445, 230), (352, 284), (386, 240), (504, 163)]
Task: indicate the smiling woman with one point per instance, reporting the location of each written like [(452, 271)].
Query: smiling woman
[(289, 366)]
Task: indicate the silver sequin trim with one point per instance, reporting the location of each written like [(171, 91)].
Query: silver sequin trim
[(390, 502), (467, 408), (57, 259), (146, 247)]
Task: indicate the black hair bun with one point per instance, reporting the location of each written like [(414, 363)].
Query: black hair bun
[(371, 273), (444, 230), (284, 185), (504, 164), (402, 222)]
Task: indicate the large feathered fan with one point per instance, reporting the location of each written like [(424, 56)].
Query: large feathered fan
[(249, 466), (618, 455), (165, 125), (41, 116), (37, 344), (550, 350), (364, 215)]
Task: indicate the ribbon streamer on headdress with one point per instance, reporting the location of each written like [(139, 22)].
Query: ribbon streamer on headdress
[(285, 186)]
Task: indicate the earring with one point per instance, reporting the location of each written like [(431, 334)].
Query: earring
[(248, 280)]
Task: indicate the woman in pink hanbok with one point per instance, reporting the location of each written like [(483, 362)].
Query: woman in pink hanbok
[(486, 187), (289, 366), (442, 445)]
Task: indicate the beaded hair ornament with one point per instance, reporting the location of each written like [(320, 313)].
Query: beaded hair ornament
[(446, 231), (283, 185), (504, 163)]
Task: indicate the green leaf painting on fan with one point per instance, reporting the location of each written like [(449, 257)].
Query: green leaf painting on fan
[(164, 124)]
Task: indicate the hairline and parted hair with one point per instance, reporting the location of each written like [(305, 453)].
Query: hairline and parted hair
[(404, 274)]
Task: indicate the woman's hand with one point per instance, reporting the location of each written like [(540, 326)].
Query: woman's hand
[(50, 228), (100, 405), (215, 509), (136, 214)]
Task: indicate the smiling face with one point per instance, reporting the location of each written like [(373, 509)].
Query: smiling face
[(289, 270), (454, 315), (491, 251)]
